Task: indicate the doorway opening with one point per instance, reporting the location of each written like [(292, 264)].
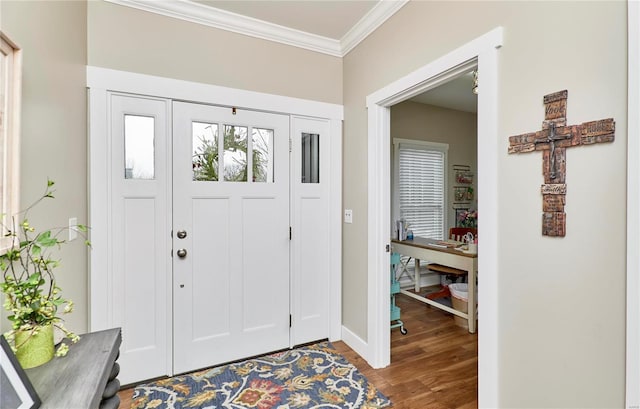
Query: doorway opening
[(480, 53), (434, 190)]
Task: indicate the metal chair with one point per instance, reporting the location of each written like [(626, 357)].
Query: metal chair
[(395, 289)]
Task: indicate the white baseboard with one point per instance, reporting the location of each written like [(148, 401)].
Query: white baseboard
[(356, 343)]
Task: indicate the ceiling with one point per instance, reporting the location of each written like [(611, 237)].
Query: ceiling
[(330, 26), (327, 18), (455, 94)]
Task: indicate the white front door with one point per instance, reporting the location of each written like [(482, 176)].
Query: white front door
[(231, 234), (246, 284)]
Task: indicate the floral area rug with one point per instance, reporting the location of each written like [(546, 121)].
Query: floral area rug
[(314, 376)]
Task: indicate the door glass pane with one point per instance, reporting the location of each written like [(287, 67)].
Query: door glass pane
[(138, 147), (205, 151), (262, 155), (235, 153), (310, 158)]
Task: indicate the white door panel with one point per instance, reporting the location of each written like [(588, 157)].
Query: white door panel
[(264, 270), (310, 205), (231, 290), (140, 243), (210, 292)]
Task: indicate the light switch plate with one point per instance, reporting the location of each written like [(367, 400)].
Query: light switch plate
[(348, 216), (73, 228)]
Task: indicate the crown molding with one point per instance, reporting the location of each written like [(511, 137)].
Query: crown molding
[(380, 13), (198, 13), (225, 20)]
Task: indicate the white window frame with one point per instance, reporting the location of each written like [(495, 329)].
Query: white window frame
[(10, 97), (418, 144)]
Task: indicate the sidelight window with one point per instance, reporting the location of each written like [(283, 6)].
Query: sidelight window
[(139, 139), (310, 158)]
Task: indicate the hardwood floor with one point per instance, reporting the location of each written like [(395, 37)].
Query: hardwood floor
[(434, 366)]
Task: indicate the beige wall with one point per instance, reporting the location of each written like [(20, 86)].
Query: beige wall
[(561, 300), (52, 36), (127, 39), (458, 129)]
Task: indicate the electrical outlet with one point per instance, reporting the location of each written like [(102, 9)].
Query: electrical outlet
[(73, 228), (348, 216)]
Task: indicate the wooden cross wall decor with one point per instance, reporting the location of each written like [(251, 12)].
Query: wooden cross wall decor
[(553, 140)]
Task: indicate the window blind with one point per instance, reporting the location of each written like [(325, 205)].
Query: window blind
[(421, 190)]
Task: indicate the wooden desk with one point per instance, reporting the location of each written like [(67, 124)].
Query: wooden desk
[(423, 249)]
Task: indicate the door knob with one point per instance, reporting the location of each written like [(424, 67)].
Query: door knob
[(181, 234), (182, 253)]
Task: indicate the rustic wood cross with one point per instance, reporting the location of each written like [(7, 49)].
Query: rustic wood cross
[(553, 140)]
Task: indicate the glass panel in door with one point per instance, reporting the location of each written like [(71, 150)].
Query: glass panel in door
[(262, 155), (204, 160), (235, 153), (310, 158), (139, 147)]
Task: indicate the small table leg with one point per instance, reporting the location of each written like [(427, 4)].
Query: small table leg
[(471, 297), (416, 274)]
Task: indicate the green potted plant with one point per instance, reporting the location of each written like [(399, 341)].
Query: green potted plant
[(32, 295)]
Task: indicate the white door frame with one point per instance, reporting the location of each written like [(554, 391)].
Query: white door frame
[(101, 80), (633, 207), (482, 52)]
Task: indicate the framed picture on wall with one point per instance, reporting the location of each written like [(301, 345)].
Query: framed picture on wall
[(463, 193), (460, 193), (464, 177), (17, 390), (463, 174)]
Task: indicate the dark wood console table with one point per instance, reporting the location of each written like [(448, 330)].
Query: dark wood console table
[(85, 378)]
